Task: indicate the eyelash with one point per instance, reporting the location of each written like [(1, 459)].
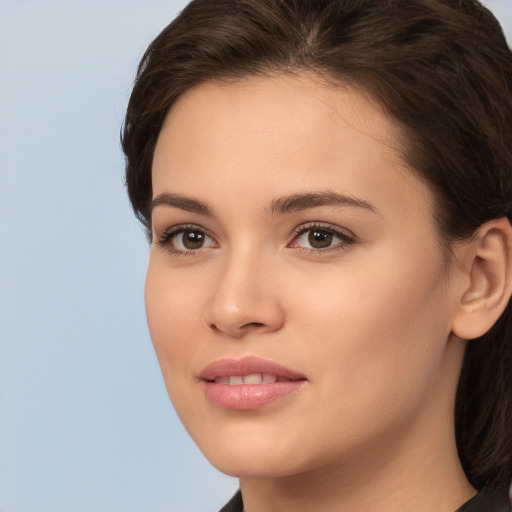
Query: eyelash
[(165, 239), (347, 239)]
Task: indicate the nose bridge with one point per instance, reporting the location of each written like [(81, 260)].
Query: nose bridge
[(245, 297)]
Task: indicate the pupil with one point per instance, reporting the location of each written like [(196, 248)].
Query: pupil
[(193, 239), (320, 239)]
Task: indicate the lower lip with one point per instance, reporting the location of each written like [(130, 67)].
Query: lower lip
[(249, 396)]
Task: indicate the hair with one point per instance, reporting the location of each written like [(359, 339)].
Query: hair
[(442, 70)]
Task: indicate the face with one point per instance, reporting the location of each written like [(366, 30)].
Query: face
[(296, 294)]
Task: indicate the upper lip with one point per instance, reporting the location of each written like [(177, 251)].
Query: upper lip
[(246, 366)]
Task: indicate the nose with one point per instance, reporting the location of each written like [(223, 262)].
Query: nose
[(245, 298)]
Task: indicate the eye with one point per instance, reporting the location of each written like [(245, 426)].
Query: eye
[(321, 238), (185, 239)]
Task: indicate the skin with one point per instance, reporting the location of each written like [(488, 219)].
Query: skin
[(368, 320)]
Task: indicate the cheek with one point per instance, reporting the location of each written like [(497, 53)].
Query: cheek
[(378, 332), (173, 308)]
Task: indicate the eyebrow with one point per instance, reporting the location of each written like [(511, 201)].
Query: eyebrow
[(281, 205), (187, 204), (299, 202)]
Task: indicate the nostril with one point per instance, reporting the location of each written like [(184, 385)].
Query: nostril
[(252, 325), (245, 327)]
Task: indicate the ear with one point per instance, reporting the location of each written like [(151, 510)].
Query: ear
[(488, 280)]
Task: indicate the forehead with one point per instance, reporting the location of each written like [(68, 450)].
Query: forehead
[(283, 135), (295, 104)]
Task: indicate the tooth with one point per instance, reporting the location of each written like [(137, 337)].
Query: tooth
[(222, 380), (268, 378), (254, 378), (236, 380)]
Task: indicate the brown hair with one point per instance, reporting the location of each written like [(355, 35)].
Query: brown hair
[(443, 71)]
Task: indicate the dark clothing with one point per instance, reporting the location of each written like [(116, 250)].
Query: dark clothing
[(235, 504), (484, 501), (487, 501)]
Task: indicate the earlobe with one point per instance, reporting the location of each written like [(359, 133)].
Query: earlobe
[(489, 273)]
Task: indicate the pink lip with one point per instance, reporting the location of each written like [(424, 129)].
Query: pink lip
[(246, 366), (248, 396)]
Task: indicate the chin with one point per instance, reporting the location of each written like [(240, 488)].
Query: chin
[(246, 452), (250, 464), (242, 451)]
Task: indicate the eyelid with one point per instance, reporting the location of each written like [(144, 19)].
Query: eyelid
[(344, 234), (346, 237), (164, 239)]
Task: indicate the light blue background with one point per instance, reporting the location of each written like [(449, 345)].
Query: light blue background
[(85, 422)]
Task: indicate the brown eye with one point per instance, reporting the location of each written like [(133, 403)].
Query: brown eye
[(192, 239), (319, 239), (182, 240)]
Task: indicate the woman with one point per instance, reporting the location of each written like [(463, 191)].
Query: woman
[(327, 188)]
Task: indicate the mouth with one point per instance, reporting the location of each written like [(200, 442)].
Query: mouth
[(253, 378), (248, 383)]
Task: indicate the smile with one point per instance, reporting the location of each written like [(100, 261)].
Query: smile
[(249, 383), (253, 378)]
